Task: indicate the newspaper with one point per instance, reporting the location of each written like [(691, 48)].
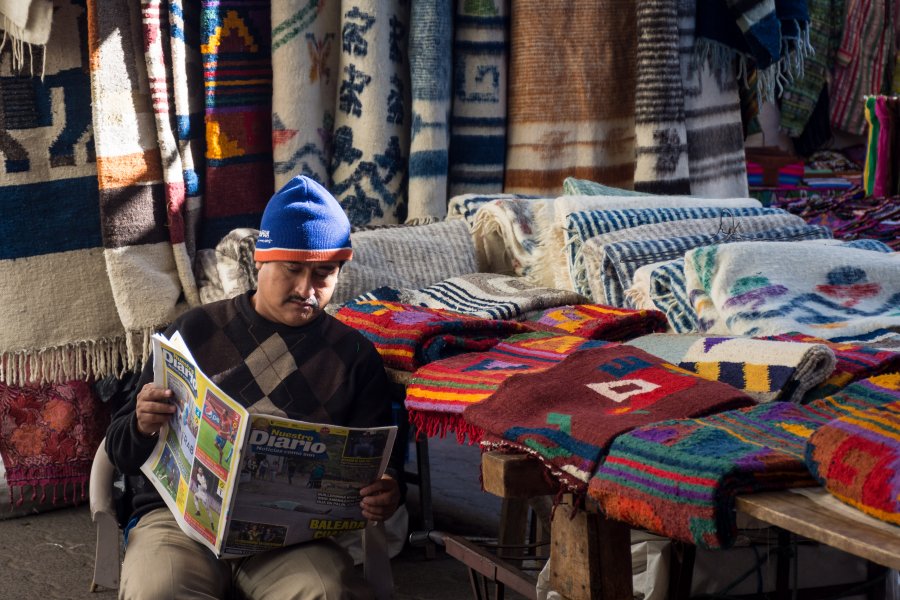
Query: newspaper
[(242, 483)]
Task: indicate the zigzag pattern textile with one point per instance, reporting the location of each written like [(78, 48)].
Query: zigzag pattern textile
[(857, 458), (408, 337), (565, 119), (828, 291), (141, 264), (235, 43), (679, 478), (480, 80), (568, 416), (52, 251), (430, 66), (438, 393)]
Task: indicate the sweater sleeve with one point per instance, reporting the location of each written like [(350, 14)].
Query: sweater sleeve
[(127, 447)]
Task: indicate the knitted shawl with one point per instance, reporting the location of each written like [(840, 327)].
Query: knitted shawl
[(569, 414), (680, 478), (438, 393), (829, 291)]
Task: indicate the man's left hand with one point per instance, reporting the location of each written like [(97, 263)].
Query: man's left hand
[(380, 499)]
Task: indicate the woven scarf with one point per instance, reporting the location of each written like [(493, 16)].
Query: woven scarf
[(235, 45), (58, 319), (478, 115), (599, 322), (857, 458), (372, 120), (861, 61), (764, 370), (829, 291), (48, 437), (680, 478), (408, 337), (438, 393), (571, 110), (569, 414)]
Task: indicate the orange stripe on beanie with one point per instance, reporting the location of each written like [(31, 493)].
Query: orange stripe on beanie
[(303, 222)]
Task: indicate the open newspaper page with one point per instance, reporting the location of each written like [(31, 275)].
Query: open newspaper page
[(195, 463), (301, 481)]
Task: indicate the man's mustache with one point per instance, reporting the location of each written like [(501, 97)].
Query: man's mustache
[(311, 301)]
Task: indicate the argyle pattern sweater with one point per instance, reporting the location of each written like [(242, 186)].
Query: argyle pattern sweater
[(323, 372)]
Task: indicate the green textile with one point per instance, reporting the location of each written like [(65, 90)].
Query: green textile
[(585, 187)]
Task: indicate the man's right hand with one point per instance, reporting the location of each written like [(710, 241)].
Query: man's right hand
[(153, 409)]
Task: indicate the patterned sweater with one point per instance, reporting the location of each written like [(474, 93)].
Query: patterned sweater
[(323, 372)]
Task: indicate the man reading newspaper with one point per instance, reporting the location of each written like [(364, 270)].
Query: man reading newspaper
[(277, 352)]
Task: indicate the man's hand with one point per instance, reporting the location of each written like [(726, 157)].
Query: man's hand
[(380, 499), (153, 409)]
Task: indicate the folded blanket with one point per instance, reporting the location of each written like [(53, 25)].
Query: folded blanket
[(464, 206), (599, 322), (228, 270), (764, 370), (829, 291), (857, 458), (667, 292), (506, 237), (668, 347), (439, 391), (679, 478), (569, 414), (610, 266), (572, 186), (408, 337)]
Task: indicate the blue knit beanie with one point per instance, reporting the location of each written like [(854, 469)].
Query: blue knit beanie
[(303, 222)]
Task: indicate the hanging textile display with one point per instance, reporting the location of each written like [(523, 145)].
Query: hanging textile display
[(885, 176), (58, 319), (571, 99), (478, 114)]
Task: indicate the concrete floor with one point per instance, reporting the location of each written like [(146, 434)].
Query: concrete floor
[(50, 555)]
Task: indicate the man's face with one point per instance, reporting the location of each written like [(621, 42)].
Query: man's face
[(294, 293)]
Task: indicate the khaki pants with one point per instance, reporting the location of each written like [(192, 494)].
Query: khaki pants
[(161, 562)]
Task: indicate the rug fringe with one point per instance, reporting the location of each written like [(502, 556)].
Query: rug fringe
[(433, 424), (81, 360)]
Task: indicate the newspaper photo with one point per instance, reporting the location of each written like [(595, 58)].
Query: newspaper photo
[(243, 483)]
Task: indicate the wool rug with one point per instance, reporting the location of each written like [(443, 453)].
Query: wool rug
[(857, 458), (583, 225), (479, 104), (668, 293), (610, 260), (569, 414), (679, 478), (369, 165), (48, 436), (565, 119), (465, 206), (764, 370), (438, 393), (140, 260), (228, 270), (431, 78), (408, 337), (59, 319), (829, 291), (235, 46), (599, 322)]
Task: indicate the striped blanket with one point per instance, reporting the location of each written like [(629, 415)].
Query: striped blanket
[(610, 267), (569, 414), (572, 186), (829, 291), (764, 370), (408, 337), (599, 322), (680, 478), (660, 286), (856, 457), (439, 392)]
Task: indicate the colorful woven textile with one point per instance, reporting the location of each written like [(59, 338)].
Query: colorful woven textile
[(58, 319), (857, 459), (680, 478), (668, 293), (48, 437), (565, 119), (886, 172), (372, 120), (408, 337), (764, 370), (873, 127), (569, 414), (829, 291), (236, 48), (599, 322), (439, 391), (480, 81)]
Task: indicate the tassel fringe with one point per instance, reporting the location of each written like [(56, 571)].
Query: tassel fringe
[(81, 360)]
